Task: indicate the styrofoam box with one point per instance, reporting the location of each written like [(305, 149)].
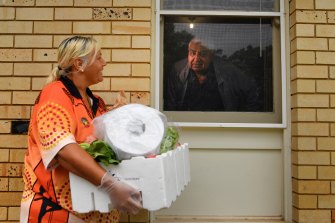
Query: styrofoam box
[(160, 180)]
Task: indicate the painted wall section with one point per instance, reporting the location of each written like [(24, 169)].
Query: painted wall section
[(30, 32), (312, 35)]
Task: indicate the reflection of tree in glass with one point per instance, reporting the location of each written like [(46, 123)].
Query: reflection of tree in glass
[(175, 45), (247, 59), (241, 5), (259, 67)]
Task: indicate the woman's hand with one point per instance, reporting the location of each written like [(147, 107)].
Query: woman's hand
[(120, 100), (123, 196), (89, 139)]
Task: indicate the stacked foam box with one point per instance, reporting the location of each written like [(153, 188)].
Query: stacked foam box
[(160, 180)]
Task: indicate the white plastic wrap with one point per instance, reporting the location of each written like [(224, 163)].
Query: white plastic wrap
[(131, 130)]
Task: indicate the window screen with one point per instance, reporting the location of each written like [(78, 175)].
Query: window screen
[(218, 5), (241, 45)]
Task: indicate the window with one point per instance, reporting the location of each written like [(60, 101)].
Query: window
[(220, 62), (221, 5)]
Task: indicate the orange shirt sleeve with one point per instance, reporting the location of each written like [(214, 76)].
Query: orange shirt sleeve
[(54, 123)]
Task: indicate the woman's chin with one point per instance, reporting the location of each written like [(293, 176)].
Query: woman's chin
[(97, 81), (100, 79)]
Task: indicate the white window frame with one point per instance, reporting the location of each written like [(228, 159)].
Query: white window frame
[(280, 14)]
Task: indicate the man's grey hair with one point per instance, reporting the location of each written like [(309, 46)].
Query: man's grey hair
[(204, 42)]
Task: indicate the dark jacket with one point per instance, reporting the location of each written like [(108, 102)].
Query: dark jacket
[(238, 92)]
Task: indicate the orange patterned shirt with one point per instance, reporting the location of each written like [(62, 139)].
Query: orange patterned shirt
[(59, 117)]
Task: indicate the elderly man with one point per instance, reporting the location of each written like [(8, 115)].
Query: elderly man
[(203, 82)]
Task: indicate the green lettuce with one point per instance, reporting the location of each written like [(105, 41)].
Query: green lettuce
[(101, 152), (170, 140)]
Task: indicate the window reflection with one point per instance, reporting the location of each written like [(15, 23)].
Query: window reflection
[(236, 46), (239, 5)]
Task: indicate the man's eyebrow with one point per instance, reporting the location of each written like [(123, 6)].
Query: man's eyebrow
[(203, 52), (200, 50)]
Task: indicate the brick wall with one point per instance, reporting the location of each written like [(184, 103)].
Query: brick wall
[(312, 36), (30, 31)]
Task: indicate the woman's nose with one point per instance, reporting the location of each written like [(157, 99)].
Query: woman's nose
[(104, 63)]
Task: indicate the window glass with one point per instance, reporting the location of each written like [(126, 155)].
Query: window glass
[(236, 55), (219, 5)]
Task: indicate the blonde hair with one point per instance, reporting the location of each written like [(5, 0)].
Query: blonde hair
[(72, 48)]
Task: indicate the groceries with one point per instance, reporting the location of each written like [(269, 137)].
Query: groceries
[(135, 145), (101, 152), (132, 130), (161, 181), (170, 140)]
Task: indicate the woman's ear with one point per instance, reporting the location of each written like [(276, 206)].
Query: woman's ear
[(78, 65)]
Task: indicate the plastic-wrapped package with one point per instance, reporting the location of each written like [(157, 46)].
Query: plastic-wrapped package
[(132, 130)]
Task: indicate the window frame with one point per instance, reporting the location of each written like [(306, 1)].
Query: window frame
[(159, 71)]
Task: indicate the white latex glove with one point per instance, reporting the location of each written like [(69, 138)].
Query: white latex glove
[(124, 197)]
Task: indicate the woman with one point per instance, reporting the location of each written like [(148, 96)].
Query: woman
[(60, 121)]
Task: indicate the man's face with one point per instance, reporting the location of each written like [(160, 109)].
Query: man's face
[(199, 58)]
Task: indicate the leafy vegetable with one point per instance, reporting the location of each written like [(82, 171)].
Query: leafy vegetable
[(170, 140), (101, 152)]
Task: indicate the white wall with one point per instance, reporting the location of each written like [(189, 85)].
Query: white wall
[(239, 173)]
